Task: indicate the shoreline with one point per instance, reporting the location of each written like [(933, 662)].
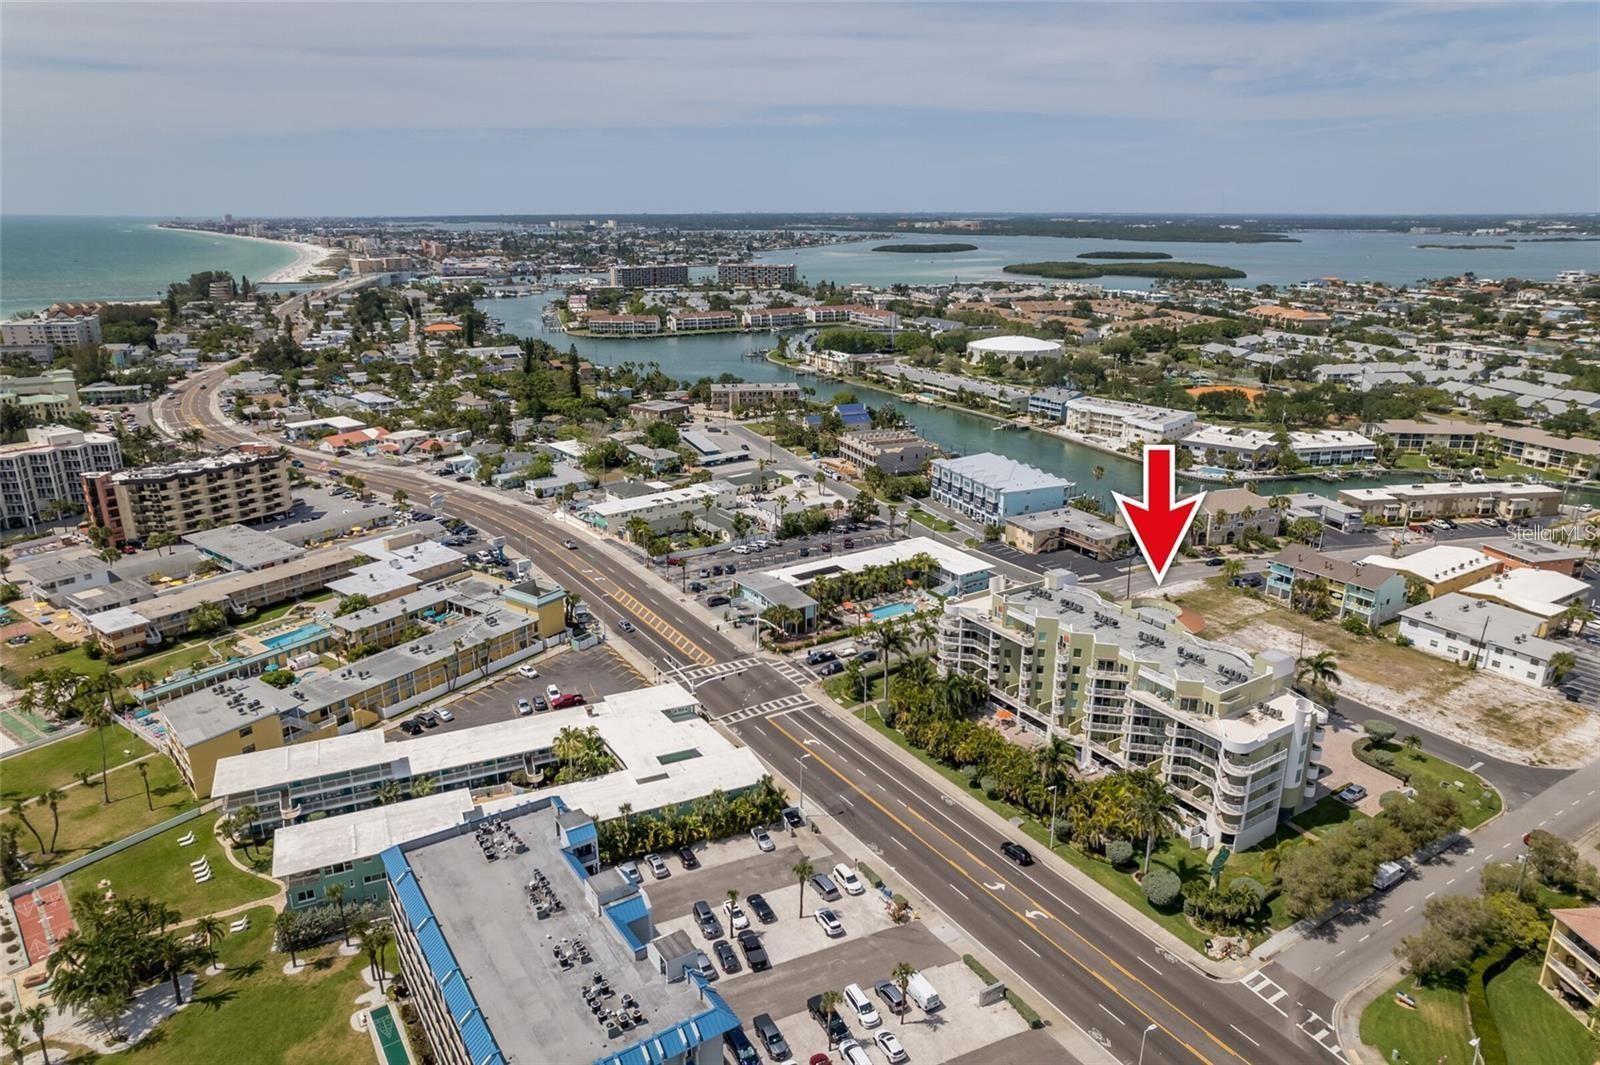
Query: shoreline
[(307, 256)]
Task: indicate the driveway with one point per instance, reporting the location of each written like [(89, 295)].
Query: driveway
[(1340, 766)]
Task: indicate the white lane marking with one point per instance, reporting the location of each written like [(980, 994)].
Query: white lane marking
[(1387, 923), (1408, 909), (1473, 768), (1152, 968), (1364, 938), (1236, 1028), (958, 891), (902, 845), (1030, 950), (1113, 1016)]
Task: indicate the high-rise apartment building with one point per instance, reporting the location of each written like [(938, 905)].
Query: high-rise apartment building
[(649, 275), (47, 469), (758, 275), (180, 497)]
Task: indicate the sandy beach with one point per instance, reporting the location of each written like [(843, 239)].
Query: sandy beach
[(307, 257)]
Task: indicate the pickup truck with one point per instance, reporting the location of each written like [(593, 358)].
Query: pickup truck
[(832, 1024)]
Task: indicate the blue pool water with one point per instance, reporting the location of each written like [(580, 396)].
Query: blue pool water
[(890, 610), (1210, 471), (284, 639)]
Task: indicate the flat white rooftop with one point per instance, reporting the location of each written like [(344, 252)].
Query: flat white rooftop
[(1538, 591), (950, 559)]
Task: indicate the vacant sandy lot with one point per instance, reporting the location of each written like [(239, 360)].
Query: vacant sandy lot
[(1491, 713)]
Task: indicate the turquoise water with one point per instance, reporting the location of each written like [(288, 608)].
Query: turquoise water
[(47, 259), (1354, 256), (300, 635), (890, 610)]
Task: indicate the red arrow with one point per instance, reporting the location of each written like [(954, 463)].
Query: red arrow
[(1159, 524)]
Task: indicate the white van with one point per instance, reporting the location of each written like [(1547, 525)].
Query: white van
[(920, 991), (865, 1011)]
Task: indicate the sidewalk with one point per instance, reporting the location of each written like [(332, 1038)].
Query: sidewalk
[(1163, 939)]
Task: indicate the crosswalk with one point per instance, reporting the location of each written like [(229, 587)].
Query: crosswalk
[(717, 669), (792, 673), (1266, 990), (1321, 1031), (770, 708), (1318, 1029)]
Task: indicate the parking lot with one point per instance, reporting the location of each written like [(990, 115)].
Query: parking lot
[(806, 962), (1583, 682), (594, 673)]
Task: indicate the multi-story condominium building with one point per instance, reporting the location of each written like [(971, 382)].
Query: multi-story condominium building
[(1441, 568), (1330, 512), (1133, 688), (774, 317), (1332, 447), (955, 386), (1243, 448), (659, 410), (1290, 316), (992, 488), (1526, 445), (622, 324), (474, 938), (1445, 433), (853, 314), (650, 275), (754, 395), (49, 397), (149, 620), (1571, 970), (193, 494), (243, 715), (695, 321), (614, 515), (756, 275), (1067, 527), (1481, 634), (1227, 514), (894, 451), (1402, 503), (52, 331), (1371, 594), (1123, 423), (1050, 404), (847, 363), (47, 470)]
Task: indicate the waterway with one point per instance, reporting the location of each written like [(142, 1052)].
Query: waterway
[(692, 357), (1393, 258)]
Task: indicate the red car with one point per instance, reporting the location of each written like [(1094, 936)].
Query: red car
[(566, 699)]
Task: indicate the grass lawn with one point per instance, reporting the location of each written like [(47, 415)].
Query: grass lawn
[(1534, 1028), (180, 657), (88, 823), (159, 868), (27, 774), (252, 1014), (932, 521), (1435, 1031), (74, 658), (1479, 802), (1327, 813)]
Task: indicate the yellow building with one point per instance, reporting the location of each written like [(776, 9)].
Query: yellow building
[(1572, 959)]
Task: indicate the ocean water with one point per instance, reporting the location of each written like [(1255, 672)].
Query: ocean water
[(1392, 258), (45, 259)]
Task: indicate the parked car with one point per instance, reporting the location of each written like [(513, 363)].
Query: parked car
[(889, 1044), (853, 1053), (428, 720), (740, 1048), (889, 993), (1016, 852), (866, 1013), (631, 871), (409, 727), (710, 927), (758, 906), (772, 1040), (1352, 794), (445, 714), (738, 920), (703, 966), (830, 669), (823, 886), (527, 672), (868, 655), (570, 545), (686, 856), (625, 626), (818, 657), (717, 600), (793, 817), (754, 953), (569, 699), (539, 703), (831, 924), (830, 1022), (727, 957), (764, 841), (552, 692), (847, 879), (658, 867), (524, 707)]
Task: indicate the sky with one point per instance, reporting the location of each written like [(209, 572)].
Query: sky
[(412, 109)]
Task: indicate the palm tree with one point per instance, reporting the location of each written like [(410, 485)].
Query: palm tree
[(1152, 810), (1054, 760), (35, 1017), (144, 775), (284, 925), (891, 638), (1098, 473), (373, 944), (335, 895), (99, 716), (1319, 672), (52, 798), (210, 931), (11, 1035), (802, 871), (901, 974), (20, 812), (175, 956), (388, 792), (830, 1000), (1232, 568)]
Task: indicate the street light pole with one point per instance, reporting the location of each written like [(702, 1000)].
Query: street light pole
[(803, 759), (1142, 1038), (1052, 790)]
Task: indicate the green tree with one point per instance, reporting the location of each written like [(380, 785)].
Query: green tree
[(901, 974), (52, 797), (35, 1017), (287, 930), (1153, 809), (829, 1004), (20, 812), (351, 603), (1319, 672), (802, 871)]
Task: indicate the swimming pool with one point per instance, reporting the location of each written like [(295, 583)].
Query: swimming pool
[(890, 610), (1210, 471), (294, 636)]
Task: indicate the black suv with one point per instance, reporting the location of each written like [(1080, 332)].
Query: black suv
[(1016, 852), (759, 907), (754, 952), (832, 1024), (771, 1039)]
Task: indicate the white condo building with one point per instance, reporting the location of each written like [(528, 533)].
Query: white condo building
[(1124, 423), (48, 468), (1131, 687)]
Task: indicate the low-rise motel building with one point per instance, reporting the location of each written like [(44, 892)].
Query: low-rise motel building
[(319, 801), (1571, 970), (244, 714), (1397, 504)]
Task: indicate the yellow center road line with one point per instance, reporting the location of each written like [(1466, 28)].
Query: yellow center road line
[(1021, 916)]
